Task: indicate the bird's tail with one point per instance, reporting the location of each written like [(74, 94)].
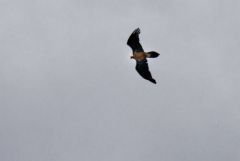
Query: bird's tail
[(152, 54)]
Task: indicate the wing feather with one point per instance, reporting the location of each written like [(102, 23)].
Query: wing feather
[(133, 41), (143, 69)]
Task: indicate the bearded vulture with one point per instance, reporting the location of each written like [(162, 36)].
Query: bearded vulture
[(140, 56)]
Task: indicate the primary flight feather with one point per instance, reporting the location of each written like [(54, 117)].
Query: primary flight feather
[(140, 56)]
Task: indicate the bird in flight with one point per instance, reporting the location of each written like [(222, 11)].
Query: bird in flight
[(140, 56)]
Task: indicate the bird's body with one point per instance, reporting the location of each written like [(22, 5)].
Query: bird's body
[(140, 56)]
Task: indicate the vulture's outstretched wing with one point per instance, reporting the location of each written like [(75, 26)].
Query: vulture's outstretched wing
[(133, 41), (143, 70)]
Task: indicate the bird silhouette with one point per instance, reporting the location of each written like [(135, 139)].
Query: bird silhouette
[(140, 56)]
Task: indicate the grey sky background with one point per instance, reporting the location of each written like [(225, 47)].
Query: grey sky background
[(69, 92)]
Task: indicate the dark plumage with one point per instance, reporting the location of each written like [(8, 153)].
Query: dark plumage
[(140, 56), (143, 70), (133, 41)]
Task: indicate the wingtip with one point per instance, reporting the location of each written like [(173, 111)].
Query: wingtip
[(137, 30), (153, 81)]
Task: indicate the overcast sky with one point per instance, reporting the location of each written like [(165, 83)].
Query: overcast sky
[(69, 91)]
